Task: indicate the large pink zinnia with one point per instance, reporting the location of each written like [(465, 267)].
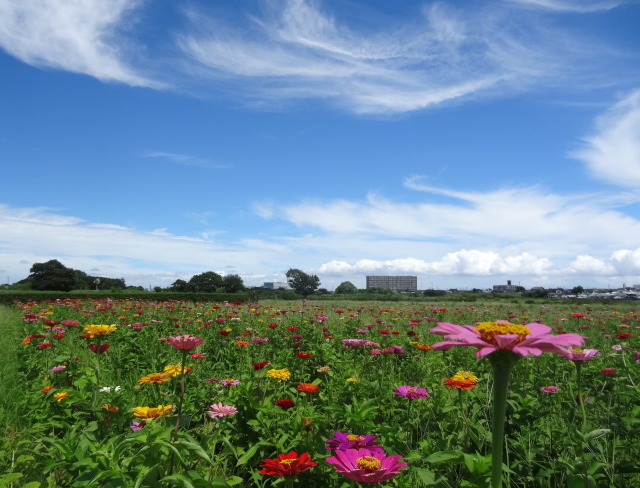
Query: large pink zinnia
[(490, 337), (364, 466), (185, 342)]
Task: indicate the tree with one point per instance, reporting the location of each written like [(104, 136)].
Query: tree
[(232, 283), (179, 285), (52, 275), (301, 282), (576, 290), (346, 287), (207, 282)]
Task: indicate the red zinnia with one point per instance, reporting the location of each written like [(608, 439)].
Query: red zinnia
[(259, 366), (287, 464), (103, 348), (285, 403), (608, 371), (308, 388), (624, 335), (304, 355)]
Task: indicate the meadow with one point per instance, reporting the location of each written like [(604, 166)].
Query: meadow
[(140, 393)]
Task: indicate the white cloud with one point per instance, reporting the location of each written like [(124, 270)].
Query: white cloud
[(559, 224), (298, 50), (583, 6), (613, 152), (81, 36), (460, 263)]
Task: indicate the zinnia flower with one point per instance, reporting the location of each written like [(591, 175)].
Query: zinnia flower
[(308, 388), (229, 382), (99, 329), (304, 355), (174, 370), (99, 350), (57, 369), (413, 392), (462, 380), (576, 354), (342, 441), (259, 366), (285, 403), (279, 374), (148, 413), (154, 378), (490, 337), (185, 342), (287, 464), (47, 389), (549, 389), (221, 410), (364, 466), (609, 371), (58, 397)]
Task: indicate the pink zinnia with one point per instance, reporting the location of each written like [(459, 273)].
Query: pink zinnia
[(364, 466), (576, 354), (185, 342), (221, 410), (413, 392), (549, 389), (341, 441), (490, 337)]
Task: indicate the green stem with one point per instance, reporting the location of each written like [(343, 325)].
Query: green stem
[(580, 398), (502, 362)]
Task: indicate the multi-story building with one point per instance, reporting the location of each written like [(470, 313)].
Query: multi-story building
[(508, 288), (395, 283)]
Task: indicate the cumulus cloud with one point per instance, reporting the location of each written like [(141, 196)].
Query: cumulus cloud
[(75, 35), (612, 153), (460, 263)]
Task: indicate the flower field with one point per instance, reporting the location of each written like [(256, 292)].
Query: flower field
[(131, 393)]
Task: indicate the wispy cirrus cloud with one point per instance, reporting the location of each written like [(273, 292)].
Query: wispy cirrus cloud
[(581, 6), (612, 153), (73, 35), (297, 50), (185, 160)]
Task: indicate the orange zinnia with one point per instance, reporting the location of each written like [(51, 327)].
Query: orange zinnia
[(153, 378), (308, 388)]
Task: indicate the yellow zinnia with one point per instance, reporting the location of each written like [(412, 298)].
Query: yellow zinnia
[(99, 329), (58, 397), (148, 413), (173, 370), (279, 374)]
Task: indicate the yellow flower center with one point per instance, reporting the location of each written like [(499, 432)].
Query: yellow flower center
[(489, 330), (354, 438), (368, 463), (465, 375), (577, 350), (288, 461)]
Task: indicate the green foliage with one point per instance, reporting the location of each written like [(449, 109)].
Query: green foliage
[(207, 282), (301, 282), (51, 276), (232, 283), (346, 287)]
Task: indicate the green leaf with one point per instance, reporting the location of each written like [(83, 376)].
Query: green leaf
[(444, 457), (248, 455), (179, 480), (427, 477)]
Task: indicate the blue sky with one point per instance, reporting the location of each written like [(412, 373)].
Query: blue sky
[(468, 143)]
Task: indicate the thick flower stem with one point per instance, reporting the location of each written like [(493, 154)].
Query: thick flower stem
[(580, 397), (502, 362)]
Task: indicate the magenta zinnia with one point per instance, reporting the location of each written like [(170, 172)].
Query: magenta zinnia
[(364, 466), (185, 342), (490, 337), (341, 441), (576, 354), (413, 392)]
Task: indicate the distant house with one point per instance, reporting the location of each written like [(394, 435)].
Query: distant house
[(395, 283)]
